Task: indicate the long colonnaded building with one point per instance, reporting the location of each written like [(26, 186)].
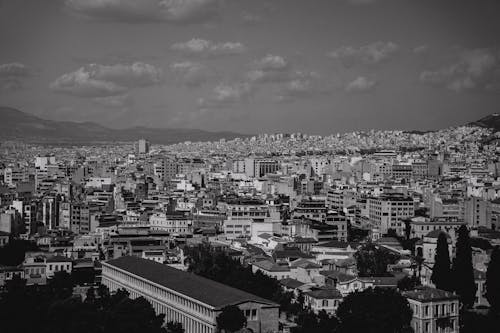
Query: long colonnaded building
[(185, 297)]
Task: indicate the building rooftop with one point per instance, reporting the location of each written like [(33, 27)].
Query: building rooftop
[(427, 294), (324, 294), (207, 291)]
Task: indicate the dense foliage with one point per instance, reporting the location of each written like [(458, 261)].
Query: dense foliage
[(231, 319), (493, 281), (372, 260), (218, 266), (14, 252), (441, 272), (374, 311), (462, 269), (53, 309)]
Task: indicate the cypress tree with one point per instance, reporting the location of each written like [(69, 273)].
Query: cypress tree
[(463, 272), (493, 280), (441, 272)]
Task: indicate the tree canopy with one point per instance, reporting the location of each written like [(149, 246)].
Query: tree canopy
[(231, 319), (374, 311), (462, 269), (372, 260), (441, 272), (493, 280), (53, 309)]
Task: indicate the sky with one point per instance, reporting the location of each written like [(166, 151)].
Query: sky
[(253, 66)]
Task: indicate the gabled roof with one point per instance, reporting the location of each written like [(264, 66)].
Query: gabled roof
[(291, 283), (435, 234), (324, 294), (427, 294), (271, 266), (204, 290), (304, 263), (339, 276)]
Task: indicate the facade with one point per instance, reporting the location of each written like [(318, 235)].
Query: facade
[(388, 212), (327, 300), (187, 298), (175, 224), (434, 310)]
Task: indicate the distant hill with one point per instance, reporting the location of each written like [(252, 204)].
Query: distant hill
[(15, 124), (492, 121)]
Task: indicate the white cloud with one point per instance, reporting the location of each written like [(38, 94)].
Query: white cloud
[(102, 80), (203, 47), (12, 76), (225, 95), (272, 62), (360, 84), (473, 69), (14, 69), (369, 54), (147, 10), (118, 101), (192, 74), (271, 68), (250, 18)]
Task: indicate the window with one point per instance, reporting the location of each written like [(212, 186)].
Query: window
[(325, 303), (254, 314)]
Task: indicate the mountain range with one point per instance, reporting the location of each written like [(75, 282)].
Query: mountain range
[(18, 125), (15, 124)]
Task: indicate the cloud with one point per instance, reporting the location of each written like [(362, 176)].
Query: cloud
[(420, 49), (14, 70), (102, 80), (472, 69), (204, 48), (360, 84), (270, 68), (118, 101), (369, 54), (12, 76), (192, 74), (302, 86), (178, 11), (226, 95), (249, 18)]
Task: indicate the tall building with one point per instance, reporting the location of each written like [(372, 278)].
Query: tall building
[(187, 298), (388, 211), (142, 146)]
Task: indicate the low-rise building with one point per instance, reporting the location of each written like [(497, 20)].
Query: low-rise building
[(434, 310)]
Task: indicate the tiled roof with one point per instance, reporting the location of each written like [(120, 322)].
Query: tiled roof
[(427, 294), (271, 266), (202, 289), (291, 283), (324, 294)]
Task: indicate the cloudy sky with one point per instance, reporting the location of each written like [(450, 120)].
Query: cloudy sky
[(253, 66)]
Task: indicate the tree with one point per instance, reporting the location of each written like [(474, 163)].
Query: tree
[(372, 260), (462, 270), (441, 272), (61, 284), (231, 319), (408, 283), (174, 327), (373, 311), (493, 280)]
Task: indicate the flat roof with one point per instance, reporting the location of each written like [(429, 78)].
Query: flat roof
[(207, 291)]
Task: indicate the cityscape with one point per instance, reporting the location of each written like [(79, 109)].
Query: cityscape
[(206, 166)]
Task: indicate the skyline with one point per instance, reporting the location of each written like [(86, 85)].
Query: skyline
[(315, 67)]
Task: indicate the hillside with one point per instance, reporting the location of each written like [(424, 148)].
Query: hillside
[(15, 124), (492, 121)]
